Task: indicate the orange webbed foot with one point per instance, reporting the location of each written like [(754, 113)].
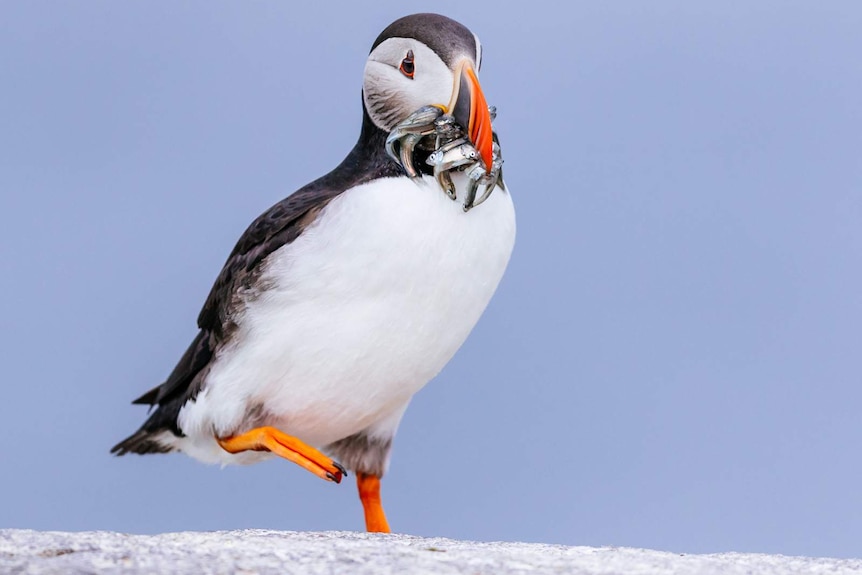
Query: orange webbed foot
[(286, 446)]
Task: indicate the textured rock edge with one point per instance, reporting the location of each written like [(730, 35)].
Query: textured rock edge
[(261, 551)]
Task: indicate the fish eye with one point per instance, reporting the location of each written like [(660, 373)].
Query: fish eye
[(407, 66)]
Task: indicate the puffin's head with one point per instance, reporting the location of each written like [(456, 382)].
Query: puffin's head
[(428, 60)]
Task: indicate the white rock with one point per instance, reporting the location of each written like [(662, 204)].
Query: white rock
[(276, 552)]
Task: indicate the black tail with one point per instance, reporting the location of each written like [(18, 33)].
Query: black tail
[(162, 420), (181, 386), (142, 442)]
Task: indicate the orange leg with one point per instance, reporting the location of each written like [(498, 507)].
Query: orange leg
[(369, 493), (292, 449)]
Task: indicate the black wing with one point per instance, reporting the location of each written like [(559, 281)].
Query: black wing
[(278, 226)]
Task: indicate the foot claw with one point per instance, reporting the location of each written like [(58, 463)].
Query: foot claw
[(340, 468), (336, 477)]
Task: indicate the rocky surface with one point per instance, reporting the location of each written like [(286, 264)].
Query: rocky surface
[(276, 552)]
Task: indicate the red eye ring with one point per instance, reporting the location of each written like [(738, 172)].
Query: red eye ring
[(408, 67)]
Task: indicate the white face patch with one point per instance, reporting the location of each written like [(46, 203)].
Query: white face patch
[(390, 96)]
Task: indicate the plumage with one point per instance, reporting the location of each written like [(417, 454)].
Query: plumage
[(279, 225), (341, 301)]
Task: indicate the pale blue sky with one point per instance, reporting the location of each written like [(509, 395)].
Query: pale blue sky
[(672, 360)]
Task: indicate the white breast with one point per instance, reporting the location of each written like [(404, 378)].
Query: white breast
[(363, 309)]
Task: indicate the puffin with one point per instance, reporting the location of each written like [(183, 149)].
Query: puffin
[(344, 299)]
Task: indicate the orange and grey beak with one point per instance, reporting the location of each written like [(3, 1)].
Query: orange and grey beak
[(470, 109)]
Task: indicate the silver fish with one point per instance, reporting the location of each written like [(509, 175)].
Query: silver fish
[(409, 133), (429, 128)]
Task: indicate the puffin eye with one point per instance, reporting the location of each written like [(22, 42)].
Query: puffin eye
[(407, 68)]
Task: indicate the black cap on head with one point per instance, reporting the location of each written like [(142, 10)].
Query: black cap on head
[(445, 36)]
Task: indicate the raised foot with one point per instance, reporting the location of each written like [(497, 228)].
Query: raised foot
[(286, 446)]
